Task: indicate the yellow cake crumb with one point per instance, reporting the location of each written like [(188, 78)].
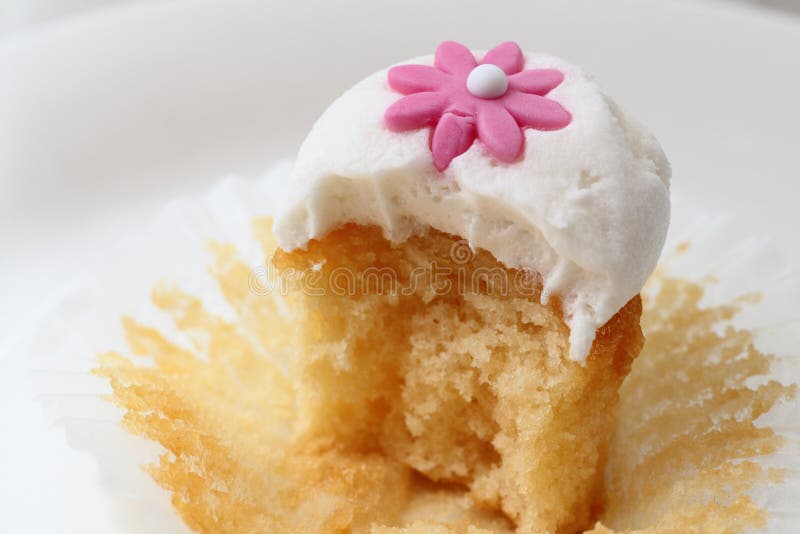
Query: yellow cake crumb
[(463, 381)]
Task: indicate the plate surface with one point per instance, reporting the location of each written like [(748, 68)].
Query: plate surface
[(104, 117)]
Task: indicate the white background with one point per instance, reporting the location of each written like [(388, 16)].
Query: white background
[(17, 15)]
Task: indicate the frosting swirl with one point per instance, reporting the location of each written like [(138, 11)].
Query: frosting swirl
[(586, 206)]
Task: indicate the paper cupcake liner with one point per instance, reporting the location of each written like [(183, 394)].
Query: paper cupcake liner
[(86, 323), (174, 248), (736, 264)]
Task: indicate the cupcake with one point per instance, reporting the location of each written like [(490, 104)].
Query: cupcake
[(464, 245), (440, 332)]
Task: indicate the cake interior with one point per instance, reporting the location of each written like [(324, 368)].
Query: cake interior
[(446, 362)]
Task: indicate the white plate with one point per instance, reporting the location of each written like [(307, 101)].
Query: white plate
[(104, 117)]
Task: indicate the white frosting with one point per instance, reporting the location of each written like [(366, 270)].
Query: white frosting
[(586, 206)]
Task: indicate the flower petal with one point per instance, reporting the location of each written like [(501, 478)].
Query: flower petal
[(507, 56), (452, 137), (408, 79), (454, 58), (536, 81), (415, 111), (537, 111), (499, 132)]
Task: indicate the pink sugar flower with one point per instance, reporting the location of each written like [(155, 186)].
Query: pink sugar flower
[(463, 100)]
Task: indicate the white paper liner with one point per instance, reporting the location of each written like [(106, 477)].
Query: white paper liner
[(174, 249)]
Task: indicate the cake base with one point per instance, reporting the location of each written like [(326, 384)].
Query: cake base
[(445, 361)]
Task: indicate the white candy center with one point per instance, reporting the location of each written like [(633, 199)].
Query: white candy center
[(487, 81)]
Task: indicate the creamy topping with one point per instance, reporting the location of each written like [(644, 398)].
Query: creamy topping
[(585, 206)]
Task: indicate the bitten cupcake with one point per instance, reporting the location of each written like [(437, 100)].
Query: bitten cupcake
[(466, 239)]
